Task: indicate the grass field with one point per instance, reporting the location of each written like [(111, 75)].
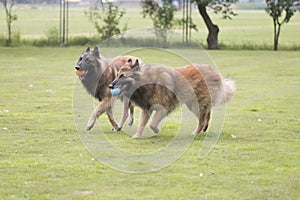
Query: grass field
[(250, 28), (42, 156)]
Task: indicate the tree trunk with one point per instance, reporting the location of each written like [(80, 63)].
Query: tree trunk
[(213, 30), (8, 21), (277, 27), (275, 43), (8, 40), (275, 47)]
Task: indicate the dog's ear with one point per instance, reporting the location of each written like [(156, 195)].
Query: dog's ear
[(96, 52), (87, 49), (136, 65), (130, 62)]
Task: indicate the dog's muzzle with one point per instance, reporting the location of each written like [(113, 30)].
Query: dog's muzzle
[(80, 73), (112, 84), (115, 91)]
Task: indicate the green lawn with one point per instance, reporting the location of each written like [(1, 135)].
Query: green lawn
[(42, 157), (252, 28)]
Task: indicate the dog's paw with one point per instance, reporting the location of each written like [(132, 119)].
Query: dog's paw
[(154, 129), (117, 129), (90, 124), (89, 127), (136, 136), (130, 121), (195, 133)]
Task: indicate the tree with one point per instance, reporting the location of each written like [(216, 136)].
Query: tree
[(10, 17), (277, 8), (218, 6), (106, 20), (162, 16)]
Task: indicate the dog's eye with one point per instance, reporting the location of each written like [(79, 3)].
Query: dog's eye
[(79, 60), (87, 60)]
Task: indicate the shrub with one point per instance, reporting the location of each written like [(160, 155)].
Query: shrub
[(84, 40), (16, 39), (52, 35), (106, 20)]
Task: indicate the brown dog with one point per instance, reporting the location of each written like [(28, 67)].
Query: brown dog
[(159, 88), (95, 73)]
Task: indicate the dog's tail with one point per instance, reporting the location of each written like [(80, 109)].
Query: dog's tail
[(226, 92), (229, 89)]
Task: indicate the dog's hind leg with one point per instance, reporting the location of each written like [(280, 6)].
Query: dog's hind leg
[(207, 118), (203, 115), (202, 121), (144, 117)]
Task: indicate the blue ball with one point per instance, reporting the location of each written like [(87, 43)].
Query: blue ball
[(115, 91)]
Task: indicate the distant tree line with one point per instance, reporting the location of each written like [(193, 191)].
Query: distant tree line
[(37, 1), (106, 18)]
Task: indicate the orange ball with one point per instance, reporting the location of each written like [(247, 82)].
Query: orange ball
[(79, 73)]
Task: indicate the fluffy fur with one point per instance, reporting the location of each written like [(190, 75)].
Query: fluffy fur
[(162, 89), (97, 72)]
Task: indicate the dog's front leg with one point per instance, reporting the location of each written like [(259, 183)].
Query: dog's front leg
[(125, 112), (144, 117), (103, 106), (131, 115), (112, 119), (158, 116)]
